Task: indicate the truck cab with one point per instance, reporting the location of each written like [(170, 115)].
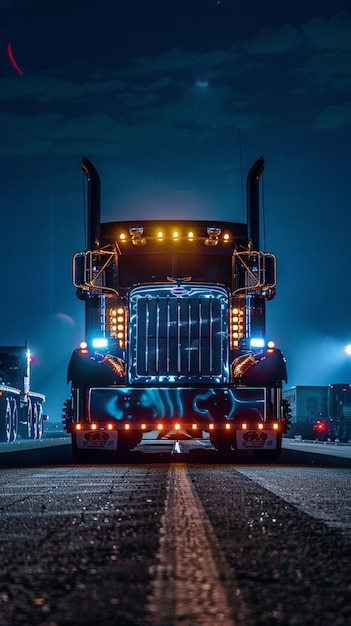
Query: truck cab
[(175, 332)]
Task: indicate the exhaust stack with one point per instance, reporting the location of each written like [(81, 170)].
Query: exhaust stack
[(253, 203), (93, 221)]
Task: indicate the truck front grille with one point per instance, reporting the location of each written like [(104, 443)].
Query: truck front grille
[(178, 334)]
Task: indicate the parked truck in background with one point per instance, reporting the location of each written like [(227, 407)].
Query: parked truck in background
[(308, 405), (320, 412), (175, 332), (21, 410)]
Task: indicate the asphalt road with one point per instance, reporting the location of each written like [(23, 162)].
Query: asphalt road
[(175, 539)]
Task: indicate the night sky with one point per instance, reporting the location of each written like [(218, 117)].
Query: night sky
[(173, 101)]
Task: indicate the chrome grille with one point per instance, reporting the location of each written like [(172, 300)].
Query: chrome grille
[(178, 337)]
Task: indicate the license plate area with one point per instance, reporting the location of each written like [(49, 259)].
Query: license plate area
[(96, 440), (256, 439)]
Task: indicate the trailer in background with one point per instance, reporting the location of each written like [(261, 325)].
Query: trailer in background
[(320, 411), (21, 410)]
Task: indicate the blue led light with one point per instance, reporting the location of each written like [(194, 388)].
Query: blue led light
[(257, 342), (100, 342)]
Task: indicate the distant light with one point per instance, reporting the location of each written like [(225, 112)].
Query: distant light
[(348, 349), (12, 59), (83, 345), (270, 344)]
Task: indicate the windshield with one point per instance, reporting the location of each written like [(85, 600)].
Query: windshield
[(146, 268)]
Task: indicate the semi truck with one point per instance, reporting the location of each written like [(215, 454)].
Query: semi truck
[(21, 410), (175, 332), (320, 412)]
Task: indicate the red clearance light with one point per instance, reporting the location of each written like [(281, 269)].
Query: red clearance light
[(93, 427), (177, 426), (126, 426), (275, 426), (78, 426), (159, 426), (227, 426)]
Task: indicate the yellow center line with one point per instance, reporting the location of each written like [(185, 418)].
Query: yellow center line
[(188, 587)]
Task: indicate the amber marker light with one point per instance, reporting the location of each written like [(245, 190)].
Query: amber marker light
[(244, 426), (126, 426), (78, 426), (194, 426), (211, 427), (93, 427), (143, 426), (275, 426), (227, 426), (260, 426), (109, 426), (159, 426)]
